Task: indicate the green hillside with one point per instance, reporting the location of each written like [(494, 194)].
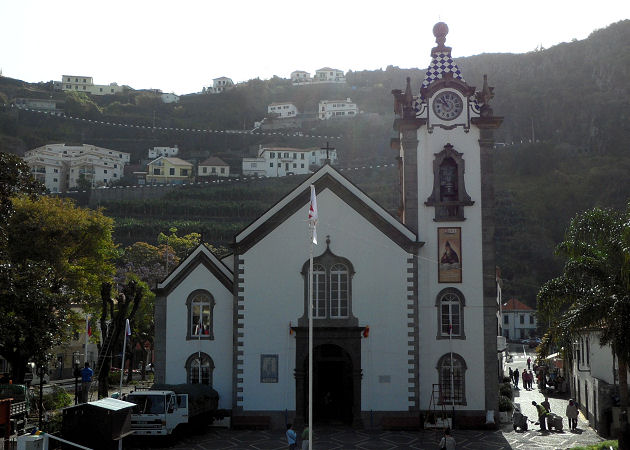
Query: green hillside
[(572, 99)]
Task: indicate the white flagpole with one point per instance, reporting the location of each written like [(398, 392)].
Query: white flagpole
[(310, 344), (313, 217), (122, 363), (87, 327)]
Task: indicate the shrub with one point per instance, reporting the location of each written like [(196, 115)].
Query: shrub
[(506, 390), (57, 399), (505, 404)]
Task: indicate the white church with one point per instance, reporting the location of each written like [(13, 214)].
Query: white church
[(404, 308)]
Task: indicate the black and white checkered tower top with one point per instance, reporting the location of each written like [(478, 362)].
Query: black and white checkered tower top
[(441, 61)]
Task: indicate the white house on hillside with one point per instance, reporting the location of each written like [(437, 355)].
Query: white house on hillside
[(328, 75), (519, 320), (219, 85), (169, 98), (82, 83), (300, 77), (156, 152), (335, 109), (59, 166), (282, 110), (282, 161), (213, 167)]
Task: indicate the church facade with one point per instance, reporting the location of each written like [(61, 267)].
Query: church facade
[(404, 308)]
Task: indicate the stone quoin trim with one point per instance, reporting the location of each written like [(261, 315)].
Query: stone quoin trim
[(413, 328)]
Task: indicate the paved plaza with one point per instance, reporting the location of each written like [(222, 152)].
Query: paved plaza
[(330, 438)]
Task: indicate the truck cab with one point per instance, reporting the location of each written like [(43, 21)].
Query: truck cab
[(157, 413)]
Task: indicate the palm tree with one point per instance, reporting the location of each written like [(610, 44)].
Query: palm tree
[(593, 292)]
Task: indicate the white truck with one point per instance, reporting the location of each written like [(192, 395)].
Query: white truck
[(159, 411)]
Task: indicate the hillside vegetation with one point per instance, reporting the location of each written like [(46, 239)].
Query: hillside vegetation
[(571, 100)]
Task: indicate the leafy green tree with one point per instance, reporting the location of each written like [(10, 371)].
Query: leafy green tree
[(55, 255), (83, 184), (183, 245), (594, 290)]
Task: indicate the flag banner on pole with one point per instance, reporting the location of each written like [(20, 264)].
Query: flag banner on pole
[(127, 328), (89, 328), (312, 214)]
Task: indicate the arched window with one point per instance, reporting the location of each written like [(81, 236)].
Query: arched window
[(452, 379), (199, 369), (450, 304), (332, 289), (200, 315)]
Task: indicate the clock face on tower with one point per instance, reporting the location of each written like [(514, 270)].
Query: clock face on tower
[(447, 105)]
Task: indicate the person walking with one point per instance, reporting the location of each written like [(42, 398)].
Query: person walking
[(542, 416), (291, 436), (529, 363), (511, 375), (531, 380), (572, 414), (86, 381), (305, 437), (447, 442), (516, 377)]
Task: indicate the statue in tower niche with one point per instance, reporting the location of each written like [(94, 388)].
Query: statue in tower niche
[(448, 181)]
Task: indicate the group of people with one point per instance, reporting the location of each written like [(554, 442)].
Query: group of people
[(528, 378), (292, 437), (544, 410)]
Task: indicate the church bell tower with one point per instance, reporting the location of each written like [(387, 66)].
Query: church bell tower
[(445, 144)]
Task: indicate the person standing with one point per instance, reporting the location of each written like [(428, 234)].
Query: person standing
[(572, 414), (546, 404), (447, 442), (291, 436), (542, 416), (511, 375), (529, 363), (305, 437), (516, 377), (86, 381)]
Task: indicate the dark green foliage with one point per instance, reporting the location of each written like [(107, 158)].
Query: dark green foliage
[(505, 404), (505, 389)]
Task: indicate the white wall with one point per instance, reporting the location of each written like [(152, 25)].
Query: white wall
[(178, 349), (472, 348), (274, 297)]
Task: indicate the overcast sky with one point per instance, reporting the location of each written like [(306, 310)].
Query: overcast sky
[(180, 46)]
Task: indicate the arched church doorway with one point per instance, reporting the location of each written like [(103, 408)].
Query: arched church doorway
[(333, 385)]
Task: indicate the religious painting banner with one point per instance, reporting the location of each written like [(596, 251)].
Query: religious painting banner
[(449, 255), (268, 368)]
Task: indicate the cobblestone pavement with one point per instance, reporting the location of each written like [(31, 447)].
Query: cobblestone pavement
[(345, 438)]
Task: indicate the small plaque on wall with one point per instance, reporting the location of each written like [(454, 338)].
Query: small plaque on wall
[(450, 255), (268, 368)]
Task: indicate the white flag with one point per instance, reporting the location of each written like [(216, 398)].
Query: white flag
[(127, 328), (312, 214)]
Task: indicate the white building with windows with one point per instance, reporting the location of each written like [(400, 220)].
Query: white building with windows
[(156, 152), (82, 83), (219, 85), (329, 75), (60, 166), (169, 98), (404, 308), (282, 110), (593, 376), (283, 161), (519, 320), (213, 167), (336, 109), (300, 77)]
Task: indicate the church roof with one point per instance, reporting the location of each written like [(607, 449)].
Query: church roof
[(200, 255), (327, 178)]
